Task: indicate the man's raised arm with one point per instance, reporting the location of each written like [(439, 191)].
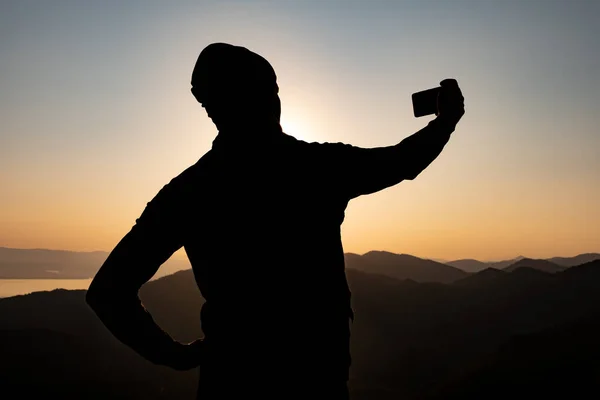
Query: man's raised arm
[(364, 171)]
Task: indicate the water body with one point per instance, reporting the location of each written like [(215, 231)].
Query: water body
[(15, 287)]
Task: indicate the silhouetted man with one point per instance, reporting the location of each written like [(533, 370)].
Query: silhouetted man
[(259, 216)]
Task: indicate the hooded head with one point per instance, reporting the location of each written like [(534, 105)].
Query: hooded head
[(236, 86)]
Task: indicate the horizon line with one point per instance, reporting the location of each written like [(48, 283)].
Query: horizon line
[(441, 260)]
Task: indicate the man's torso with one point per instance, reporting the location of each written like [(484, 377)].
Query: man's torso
[(261, 226)]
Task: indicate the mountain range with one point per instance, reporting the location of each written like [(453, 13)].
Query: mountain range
[(470, 265), (489, 335), (60, 264)]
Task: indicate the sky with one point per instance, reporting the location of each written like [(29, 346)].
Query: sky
[(96, 114)]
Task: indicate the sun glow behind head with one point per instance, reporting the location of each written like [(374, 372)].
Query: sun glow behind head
[(296, 123)]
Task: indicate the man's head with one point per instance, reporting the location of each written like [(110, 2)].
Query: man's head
[(236, 87)]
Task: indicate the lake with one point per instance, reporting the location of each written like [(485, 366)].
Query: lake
[(15, 287)]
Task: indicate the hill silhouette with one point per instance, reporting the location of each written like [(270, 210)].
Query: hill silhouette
[(472, 265), (577, 260), (541, 265), (482, 277), (404, 266), (410, 340), (42, 363), (558, 362), (469, 265)]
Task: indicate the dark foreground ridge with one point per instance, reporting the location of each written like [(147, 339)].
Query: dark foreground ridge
[(488, 336)]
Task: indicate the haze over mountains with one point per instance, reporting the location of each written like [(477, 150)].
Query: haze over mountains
[(59, 264), (487, 335)]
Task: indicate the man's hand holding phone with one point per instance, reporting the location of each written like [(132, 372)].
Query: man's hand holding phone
[(450, 102), (445, 101)]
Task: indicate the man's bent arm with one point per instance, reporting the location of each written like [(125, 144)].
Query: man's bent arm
[(113, 295)]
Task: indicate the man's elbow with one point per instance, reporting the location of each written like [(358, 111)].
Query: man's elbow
[(97, 297), (107, 298), (102, 289), (93, 297)]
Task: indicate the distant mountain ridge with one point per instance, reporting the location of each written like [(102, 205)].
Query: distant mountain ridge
[(49, 264), (574, 261), (472, 265), (404, 266), (541, 265), (63, 264)]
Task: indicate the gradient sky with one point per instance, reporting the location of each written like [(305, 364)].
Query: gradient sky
[(96, 114)]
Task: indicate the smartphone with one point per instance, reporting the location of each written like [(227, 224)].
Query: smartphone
[(425, 102)]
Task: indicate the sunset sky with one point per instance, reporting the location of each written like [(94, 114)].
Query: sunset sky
[(96, 114)]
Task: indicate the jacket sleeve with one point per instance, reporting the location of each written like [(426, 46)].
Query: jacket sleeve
[(359, 171), (113, 293)]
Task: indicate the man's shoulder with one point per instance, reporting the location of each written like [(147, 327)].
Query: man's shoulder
[(192, 173), (182, 186)]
